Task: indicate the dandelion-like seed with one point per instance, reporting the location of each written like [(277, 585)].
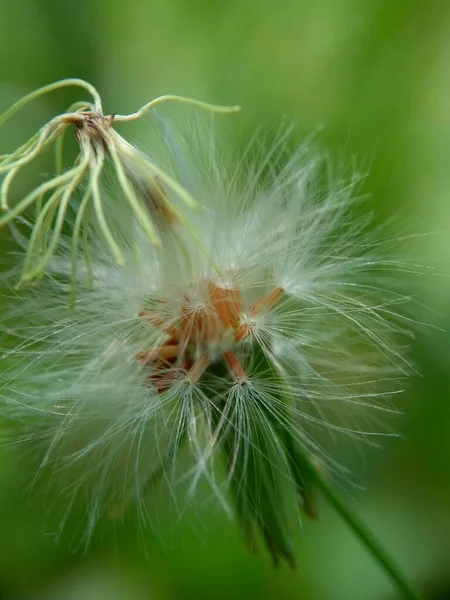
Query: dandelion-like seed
[(263, 318), (98, 141)]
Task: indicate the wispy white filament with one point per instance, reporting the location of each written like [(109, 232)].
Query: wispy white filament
[(319, 305)]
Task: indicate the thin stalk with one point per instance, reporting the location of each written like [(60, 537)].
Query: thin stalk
[(362, 532), (181, 100), (46, 137), (141, 214), (59, 146), (66, 197), (48, 223), (9, 158), (21, 206), (38, 206), (304, 471), (75, 238), (98, 208), (85, 246), (37, 234)]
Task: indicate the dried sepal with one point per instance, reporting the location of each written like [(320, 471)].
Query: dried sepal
[(137, 178)]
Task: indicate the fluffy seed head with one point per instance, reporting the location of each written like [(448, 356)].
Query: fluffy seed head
[(268, 315)]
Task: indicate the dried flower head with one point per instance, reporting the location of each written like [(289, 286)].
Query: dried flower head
[(138, 178), (266, 315)]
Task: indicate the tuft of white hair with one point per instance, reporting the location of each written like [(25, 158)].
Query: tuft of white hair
[(288, 318)]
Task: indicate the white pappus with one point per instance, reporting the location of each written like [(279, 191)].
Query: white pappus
[(267, 315)]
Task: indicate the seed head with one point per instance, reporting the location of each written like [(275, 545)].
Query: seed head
[(268, 314)]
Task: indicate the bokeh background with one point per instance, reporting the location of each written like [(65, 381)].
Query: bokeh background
[(375, 74)]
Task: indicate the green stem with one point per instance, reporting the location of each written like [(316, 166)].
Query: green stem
[(308, 476), (363, 533), (180, 99)]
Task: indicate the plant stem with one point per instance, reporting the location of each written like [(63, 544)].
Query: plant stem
[(364, 534)]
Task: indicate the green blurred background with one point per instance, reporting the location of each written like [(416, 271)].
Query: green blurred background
[(376, 75)]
